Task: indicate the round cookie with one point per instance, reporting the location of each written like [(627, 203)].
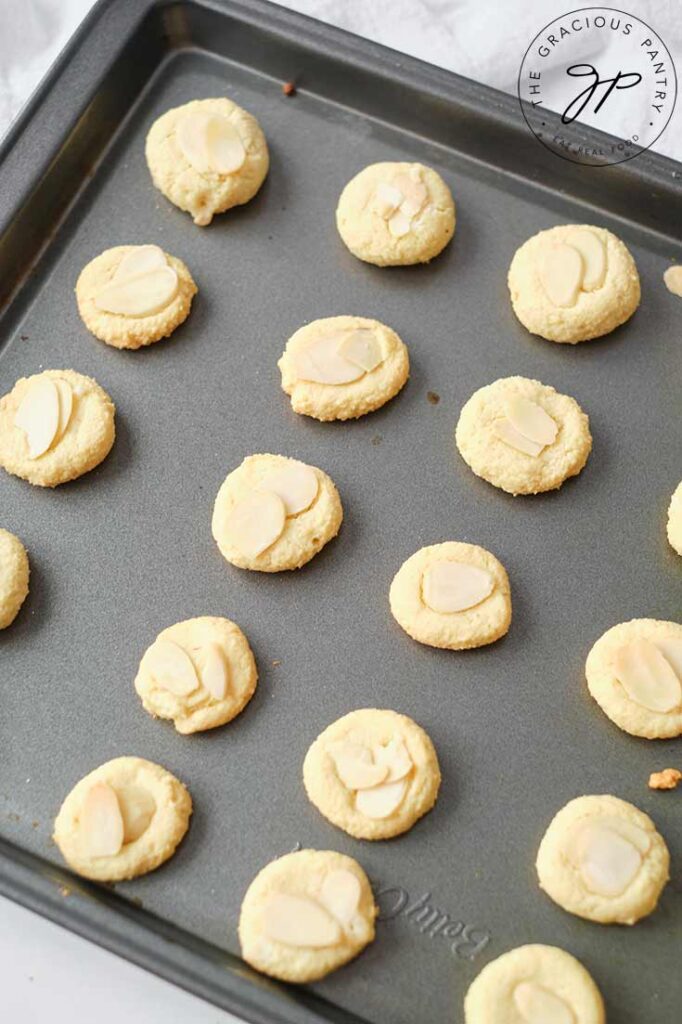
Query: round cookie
[(14, 571), (55, 426), (573, 282), (523, 436), (134, 295), (602, 859), (275, 513), (306, 914), (534, 985), (200, 673), (674, 527), (452, 595), (342, 367), (207, 156), (122, 820), (634, 672), (372, 773), (396, 214)]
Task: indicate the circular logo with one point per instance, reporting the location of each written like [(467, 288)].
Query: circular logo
[(600, 67)]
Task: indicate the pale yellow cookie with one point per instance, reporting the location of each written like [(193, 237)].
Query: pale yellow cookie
[(372, 773), (200, 673), (342, 367), (534, 985), (674, 527), (207, 156), (601, 858), (573, 282), (55, 426), (634, 672), (14, 570), (122, 820), (134, 295), (523, 436), (452, 595), (395, 214), (275, 513), (306, 914)]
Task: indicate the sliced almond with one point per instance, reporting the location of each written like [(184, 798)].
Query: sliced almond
[(171, 668), (142, 295), (506, 432), (299, 921), (386, 199), (537, 1005), (673, 280), (671, 649), (210, 142), (322, 363), (138, 807), (531, 420), (561, 274), (296, 484), (396, 757), (362, 348), (140, 260), (399, 225), (101, 823), (340, 894), (608, 854), (381, 801), (355, 767), (214, 671), (38, 416), (414, 191), (591, 248), (65, 396), (455, 586), (255, 523), (647, 676)]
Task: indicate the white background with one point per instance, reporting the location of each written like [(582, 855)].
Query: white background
[(47, 973)]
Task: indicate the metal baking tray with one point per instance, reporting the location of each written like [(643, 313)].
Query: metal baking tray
[(127, 549)]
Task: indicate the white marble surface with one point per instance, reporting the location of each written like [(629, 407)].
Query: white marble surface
[(49, 974)]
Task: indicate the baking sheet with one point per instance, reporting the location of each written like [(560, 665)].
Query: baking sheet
[(127, 550)]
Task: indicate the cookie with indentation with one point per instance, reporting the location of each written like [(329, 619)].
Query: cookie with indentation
[(274, 513), (452, 595), (634, 672), (523, 436), (601, 858), (674, 525), (372, 773), (573, 282), (207, 156), (199, 673), (396, 214), (342, 367), (134, 295), (534, 985), (14, 572), (55, 426), (122, 820), (306, 914)]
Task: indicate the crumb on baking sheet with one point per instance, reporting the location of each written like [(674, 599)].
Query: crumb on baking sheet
[(669, 778), (289, 88), (433, 397)]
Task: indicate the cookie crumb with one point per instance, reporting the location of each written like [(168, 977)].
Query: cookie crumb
[(289, 88), (433, 397), (669, 778), (276, 662), (377, 439)]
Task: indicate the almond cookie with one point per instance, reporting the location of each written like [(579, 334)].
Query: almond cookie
[(207, 156), (523, 436), (200, 673), (634, 672), (306, 914), (534, 985), (674, 528), (14, 570), (134, 295), (573, 282), (55, 426), (396, 214), (452, 595), (342, 367), (122, 820), (602, 859), (372, 773), (275, 513)]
